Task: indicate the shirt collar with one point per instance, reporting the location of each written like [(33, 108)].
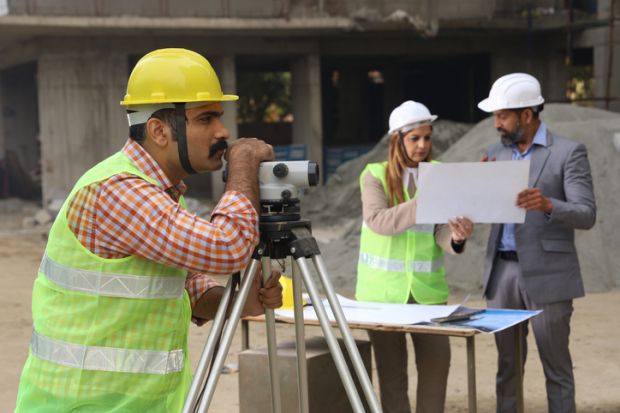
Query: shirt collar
[(146, 164), (540, 139), (409, 173)]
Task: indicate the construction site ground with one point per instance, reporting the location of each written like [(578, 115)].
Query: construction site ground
[(594, 344)]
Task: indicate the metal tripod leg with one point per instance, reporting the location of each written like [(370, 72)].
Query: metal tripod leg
[(227, 336), (207, 352), (349, 342), (341, 365), (272, 347), (300, 341)]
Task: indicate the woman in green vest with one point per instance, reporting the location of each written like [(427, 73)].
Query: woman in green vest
[(401, 262)]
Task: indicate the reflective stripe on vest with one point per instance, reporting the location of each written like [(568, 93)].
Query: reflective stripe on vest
[(394, 265), (106, 358), (112, 285), (425, 228)]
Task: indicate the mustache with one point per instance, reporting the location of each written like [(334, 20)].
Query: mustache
[(220, 145)]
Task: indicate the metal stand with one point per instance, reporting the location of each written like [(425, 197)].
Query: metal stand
[(280, 239)]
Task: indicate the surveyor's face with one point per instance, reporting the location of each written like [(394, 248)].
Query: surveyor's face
[(204, 129), (418, 143), (508, 124)]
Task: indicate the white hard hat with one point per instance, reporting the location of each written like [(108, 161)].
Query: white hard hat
[(409, 115), (513, 91)]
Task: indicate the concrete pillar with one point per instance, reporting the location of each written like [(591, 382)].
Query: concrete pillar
[(81, 121), (2, 131), (393, 96), (552, 73), (548, 67), (4, 179), (307, 107), (226, 71), (606, 80), (351, 112)]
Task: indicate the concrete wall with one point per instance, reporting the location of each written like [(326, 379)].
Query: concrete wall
[(545, 62), (371, 9), (466, 9), (606, 75), (81, 120), (149, 8), (307, 115), (2, 131)]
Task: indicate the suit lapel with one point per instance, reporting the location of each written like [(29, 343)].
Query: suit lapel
[(505, 154), (540, 154)]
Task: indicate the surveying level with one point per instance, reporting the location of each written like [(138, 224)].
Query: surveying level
[(283, 234)]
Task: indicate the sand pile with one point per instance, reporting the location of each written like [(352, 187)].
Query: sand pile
[(335, 209), (340, 197), (337, 205)]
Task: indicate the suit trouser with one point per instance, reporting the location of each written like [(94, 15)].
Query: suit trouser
[(551, 331), (432, 354)]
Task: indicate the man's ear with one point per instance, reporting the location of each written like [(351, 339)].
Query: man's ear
[(158, 131), (528, 116)]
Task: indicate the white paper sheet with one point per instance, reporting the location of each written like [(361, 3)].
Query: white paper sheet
[(485, 192), (377, 313)]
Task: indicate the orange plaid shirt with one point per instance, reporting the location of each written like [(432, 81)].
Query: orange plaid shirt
[(126, 215)]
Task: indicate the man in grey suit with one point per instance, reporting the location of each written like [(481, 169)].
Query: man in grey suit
[(534, 265)]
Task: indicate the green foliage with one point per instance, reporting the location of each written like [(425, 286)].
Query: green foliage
[(264, 96)]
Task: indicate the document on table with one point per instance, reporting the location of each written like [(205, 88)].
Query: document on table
[(485, 192), (492, 320), (377, 313)]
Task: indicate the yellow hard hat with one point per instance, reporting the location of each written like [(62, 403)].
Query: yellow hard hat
[(173, 76)]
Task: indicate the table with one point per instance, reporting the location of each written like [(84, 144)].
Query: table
[(468, 333)]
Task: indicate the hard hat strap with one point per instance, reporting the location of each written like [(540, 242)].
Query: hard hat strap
[(179, 109)]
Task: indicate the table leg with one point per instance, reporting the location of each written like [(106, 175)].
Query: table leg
[(519, 366), (471, 374), (245, 334)]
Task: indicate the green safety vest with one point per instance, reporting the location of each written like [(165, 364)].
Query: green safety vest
[(392, 268), (110, 335)]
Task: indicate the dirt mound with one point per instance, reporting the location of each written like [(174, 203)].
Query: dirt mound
[(597, 248), (337, 204), (339, 198)]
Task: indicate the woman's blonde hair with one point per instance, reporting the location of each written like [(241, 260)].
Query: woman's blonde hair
[(398, 160)]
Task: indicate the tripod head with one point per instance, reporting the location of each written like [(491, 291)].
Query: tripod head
[(280, 222)]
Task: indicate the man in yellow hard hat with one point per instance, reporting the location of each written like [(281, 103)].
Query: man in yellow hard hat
[(123, 270)]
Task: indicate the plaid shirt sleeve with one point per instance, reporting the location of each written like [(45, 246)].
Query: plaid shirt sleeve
[(136, 217)]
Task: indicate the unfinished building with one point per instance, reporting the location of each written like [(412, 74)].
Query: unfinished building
[(64, 66)]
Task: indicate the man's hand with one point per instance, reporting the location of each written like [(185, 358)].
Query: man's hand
[(461, 228), (485, 158), (267, 296), (243, 157), (250, 149), (532, 199)]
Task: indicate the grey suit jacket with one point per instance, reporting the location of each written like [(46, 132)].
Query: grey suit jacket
[(546, 246)]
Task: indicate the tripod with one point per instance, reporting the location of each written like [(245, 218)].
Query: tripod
[(283, 234)]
